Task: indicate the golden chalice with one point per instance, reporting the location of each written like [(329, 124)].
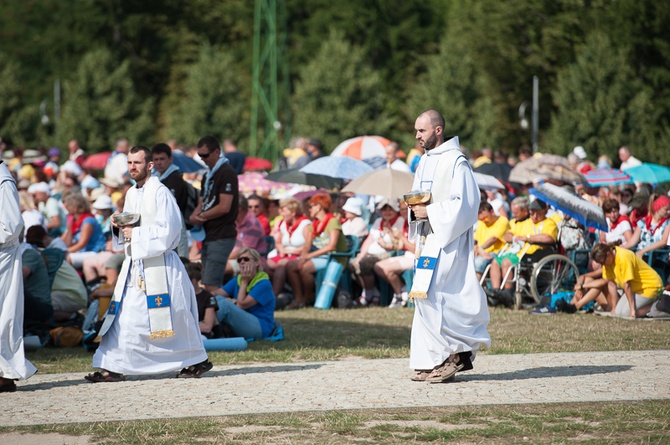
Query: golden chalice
[(417, 197), (125, 219)]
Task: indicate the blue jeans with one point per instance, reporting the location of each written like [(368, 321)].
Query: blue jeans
[(241, 322)]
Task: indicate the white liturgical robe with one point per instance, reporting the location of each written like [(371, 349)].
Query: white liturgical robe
[(455, 315), (13, 363), (127, 346)]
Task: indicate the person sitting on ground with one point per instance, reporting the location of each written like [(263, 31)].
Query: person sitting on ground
[(618, 225), (83, 235), (68, 293), (489, 236), (325, 237), (37, 303), (651, 232), (37, 236), (590, 286), (354, 224), (531, 237), (290, 237), (207, 305), (640, 283), (376, 247), (248, 303), (258, 208)]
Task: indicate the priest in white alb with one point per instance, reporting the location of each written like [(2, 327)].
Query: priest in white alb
[(13, 363), (451, 314), (151, 326)]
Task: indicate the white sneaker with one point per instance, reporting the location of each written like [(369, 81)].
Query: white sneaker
[(397, 301), (405, 298)]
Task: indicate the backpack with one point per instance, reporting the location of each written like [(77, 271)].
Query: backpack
[(192, 197), (66, 336)]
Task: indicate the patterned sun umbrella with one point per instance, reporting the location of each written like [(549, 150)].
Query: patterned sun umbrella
[(585, 212), (607, 176), (362, 147)]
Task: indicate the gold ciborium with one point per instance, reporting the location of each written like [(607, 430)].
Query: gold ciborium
[(417, 197), (125, 219)]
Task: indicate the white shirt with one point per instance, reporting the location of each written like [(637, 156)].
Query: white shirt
[(117, 167), (398, 164), (631, 162)]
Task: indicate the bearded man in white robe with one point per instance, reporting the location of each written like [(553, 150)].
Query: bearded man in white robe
[(451, 314), (152, 323), (13, 363)]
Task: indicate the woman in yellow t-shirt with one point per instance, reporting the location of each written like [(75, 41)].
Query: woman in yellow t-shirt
[(640, 283)]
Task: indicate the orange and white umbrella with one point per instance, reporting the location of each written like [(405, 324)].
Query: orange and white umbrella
[(362, 147)]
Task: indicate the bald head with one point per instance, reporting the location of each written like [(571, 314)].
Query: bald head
[(429, 127)]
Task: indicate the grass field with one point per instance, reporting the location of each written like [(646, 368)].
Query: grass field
[(313, 335)]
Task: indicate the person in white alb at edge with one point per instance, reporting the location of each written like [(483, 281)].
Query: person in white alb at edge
[(13, 363), (451, 313)]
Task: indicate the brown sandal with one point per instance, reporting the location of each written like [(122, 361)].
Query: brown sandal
[(8, 386), (420, 376), (105, 376), (195, 371), (443, 373)]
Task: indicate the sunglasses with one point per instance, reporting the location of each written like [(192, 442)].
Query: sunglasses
[(205, 155), (243, 259)]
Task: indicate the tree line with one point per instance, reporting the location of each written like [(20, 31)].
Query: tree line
[(156, 70)]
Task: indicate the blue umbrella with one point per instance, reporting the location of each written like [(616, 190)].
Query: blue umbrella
[(342, 167), (295, 176), (583, 211), (186, 164), (649, 173), (375, 162)]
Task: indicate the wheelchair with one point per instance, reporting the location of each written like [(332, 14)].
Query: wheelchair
[(535, 282)]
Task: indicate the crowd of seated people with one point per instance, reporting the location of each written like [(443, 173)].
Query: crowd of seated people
[(69, 209)]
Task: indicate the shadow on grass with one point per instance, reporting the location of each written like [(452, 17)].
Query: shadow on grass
[(332, 334), (544, 372)]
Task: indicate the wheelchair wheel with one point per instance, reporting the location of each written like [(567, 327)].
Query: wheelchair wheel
[(553, 273)]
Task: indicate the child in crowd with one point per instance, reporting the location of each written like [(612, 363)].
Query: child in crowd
[(207, 306)]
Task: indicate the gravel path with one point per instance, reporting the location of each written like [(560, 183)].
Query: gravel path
[(346, 384)]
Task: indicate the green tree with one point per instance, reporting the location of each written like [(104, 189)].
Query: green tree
[(10, 95), (100, 104), (338, 95), (215, 100), (601, 104), (454, 86), (513, 41)]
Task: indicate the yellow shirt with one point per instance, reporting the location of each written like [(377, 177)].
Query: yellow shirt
[(556, 218), (497, 229), (526, 227), (481, 161), (629, 267)]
